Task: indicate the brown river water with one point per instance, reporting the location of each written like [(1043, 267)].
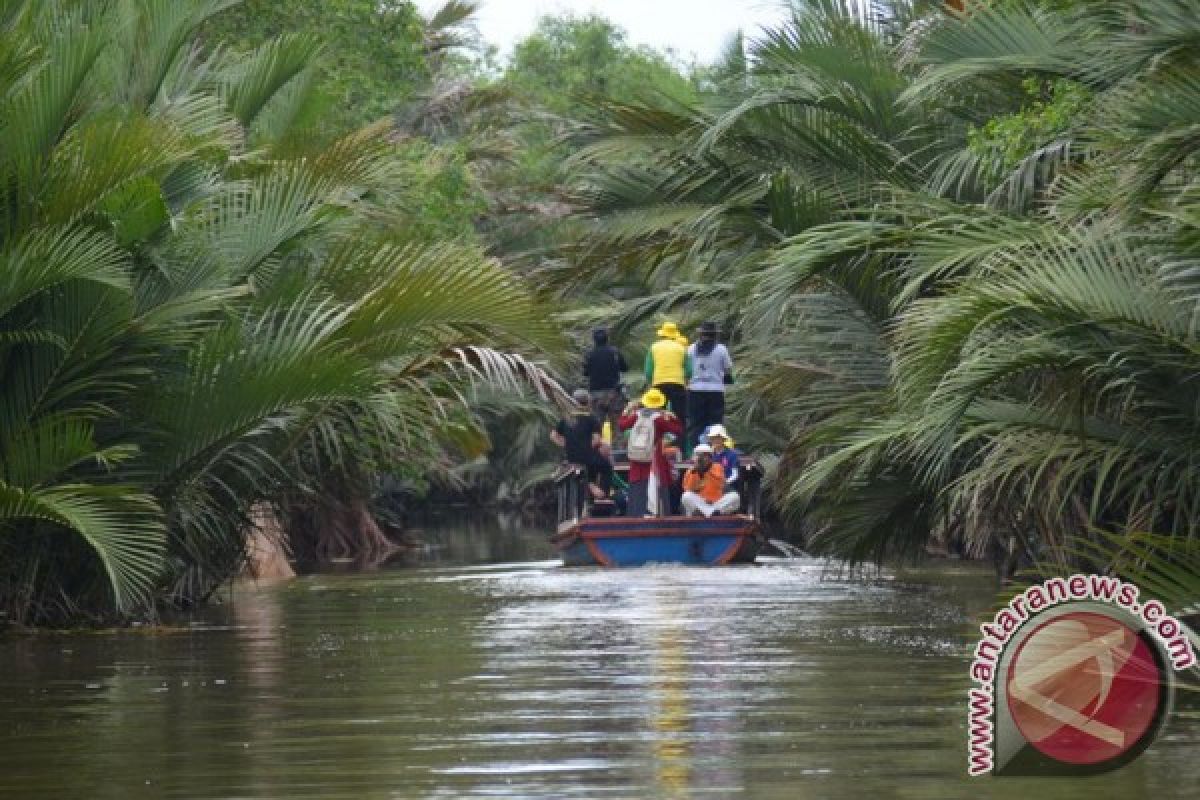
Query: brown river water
[(483, 669)]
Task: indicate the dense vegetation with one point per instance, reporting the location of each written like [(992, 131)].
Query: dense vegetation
[(256, 259), (957, 252), (195, 325)]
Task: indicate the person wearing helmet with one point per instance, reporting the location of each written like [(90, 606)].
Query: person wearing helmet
[(711, 370), (650, 473), (668, 368), (579, 436), (704, 488)]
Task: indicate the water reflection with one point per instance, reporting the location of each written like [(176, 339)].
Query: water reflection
[(669, 708), (524, 680)]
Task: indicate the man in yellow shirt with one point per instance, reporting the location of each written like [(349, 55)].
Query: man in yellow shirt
[(704, 487), (668, 368)]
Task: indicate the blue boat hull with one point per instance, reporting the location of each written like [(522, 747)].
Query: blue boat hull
[(631, 542)]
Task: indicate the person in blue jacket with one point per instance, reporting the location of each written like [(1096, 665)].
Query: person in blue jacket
[(723, 454)]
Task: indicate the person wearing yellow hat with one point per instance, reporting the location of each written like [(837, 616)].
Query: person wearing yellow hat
[(650, 473), (668, 368)]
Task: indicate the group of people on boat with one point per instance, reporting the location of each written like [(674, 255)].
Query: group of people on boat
[(680, 416)]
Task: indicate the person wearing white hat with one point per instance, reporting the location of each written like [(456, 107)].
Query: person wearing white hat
[(727, 457), (704, 489)]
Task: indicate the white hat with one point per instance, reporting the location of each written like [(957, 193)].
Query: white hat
[(717, 430), (702, 448)]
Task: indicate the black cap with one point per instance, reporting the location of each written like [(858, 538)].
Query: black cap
[(600, 335), (708, 328)]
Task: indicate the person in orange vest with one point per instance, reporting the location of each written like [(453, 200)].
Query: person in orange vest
[(704, 490), (668, 369)]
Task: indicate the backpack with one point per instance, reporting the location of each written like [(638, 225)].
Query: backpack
[(641, 439)]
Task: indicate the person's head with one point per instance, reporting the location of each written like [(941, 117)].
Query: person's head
[(708, 330), (718, 438), (668, 330), (702, 455), (600, 336), (581, 398), (654, 398)]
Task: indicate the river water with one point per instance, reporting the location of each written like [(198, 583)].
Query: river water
[(485, 670)]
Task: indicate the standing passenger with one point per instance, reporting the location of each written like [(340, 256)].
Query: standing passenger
[(668, 368), (712, 369), (602, 366), (650, 474)]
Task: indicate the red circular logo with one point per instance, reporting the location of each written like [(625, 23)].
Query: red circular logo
[(1084, 688)]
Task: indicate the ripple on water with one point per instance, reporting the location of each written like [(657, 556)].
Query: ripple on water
[(527, 680)]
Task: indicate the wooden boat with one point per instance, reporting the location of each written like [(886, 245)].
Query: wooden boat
[(634, 542), (584, 538)]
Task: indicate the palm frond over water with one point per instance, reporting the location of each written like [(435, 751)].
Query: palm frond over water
[(195, 322), (962, 317)]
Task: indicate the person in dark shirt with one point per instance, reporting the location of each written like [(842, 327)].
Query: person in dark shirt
[(579, 436), (602, 366)]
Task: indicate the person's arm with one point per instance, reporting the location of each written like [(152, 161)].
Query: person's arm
[(690, 480), (558, 439), (728, 365), (622, 366), (732, 472), (649, 367), (628, 419), (687, 364), (667, 422)]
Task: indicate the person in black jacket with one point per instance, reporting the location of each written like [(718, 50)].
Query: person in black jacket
[(579, 436), (602, 366)]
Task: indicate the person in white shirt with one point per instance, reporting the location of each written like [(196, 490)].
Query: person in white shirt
[(712, 370)]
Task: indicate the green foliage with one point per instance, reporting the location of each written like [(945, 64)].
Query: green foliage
[(199, 317), (442, 195), (957, 255), (569, 58), (1051, 110), (373, 53)]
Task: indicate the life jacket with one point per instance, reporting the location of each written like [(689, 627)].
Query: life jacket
[(668, 356)]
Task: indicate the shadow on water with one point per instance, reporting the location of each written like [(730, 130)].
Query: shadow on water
[(485, 670)]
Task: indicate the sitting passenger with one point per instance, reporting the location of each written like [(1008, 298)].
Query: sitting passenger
[(704, 489), (723, 452), (580, 436)]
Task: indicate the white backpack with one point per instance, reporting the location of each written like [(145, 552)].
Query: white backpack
[(641, 439)]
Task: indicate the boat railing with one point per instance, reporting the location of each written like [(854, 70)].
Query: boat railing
[(571, 489), (574, 497)]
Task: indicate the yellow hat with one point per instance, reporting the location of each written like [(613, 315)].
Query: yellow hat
[(668, 330), (653, 398)]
